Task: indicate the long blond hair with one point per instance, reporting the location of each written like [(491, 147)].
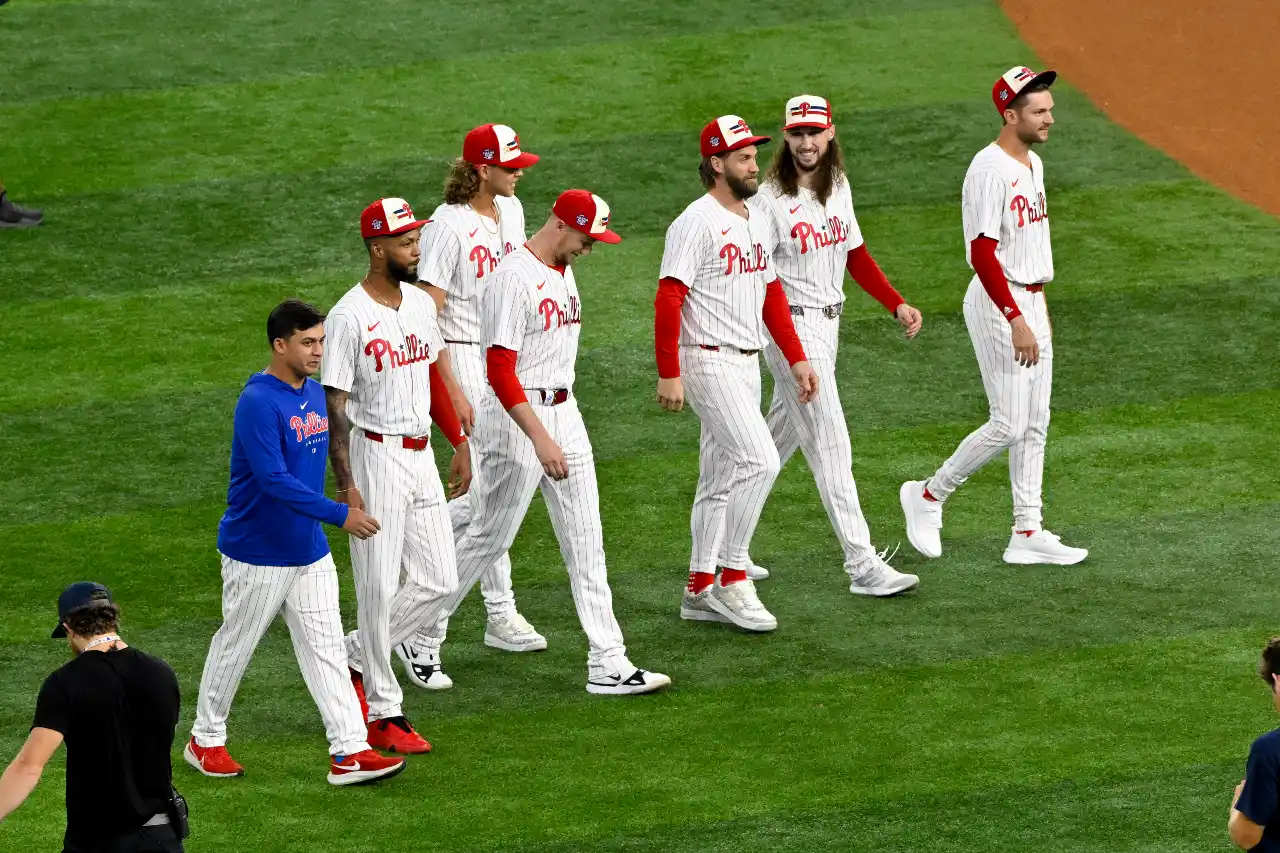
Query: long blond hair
[(462, 183)]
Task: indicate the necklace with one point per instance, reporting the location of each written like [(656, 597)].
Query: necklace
[(364, 282), (484, 220), (101, 641)]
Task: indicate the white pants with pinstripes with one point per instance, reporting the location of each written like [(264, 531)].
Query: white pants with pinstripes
[(308, 597), (738, 461), (818, 429), (401, 488), (1018, 399)]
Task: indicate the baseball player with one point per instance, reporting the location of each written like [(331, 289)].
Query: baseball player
[(807, 202), (275, 556), (1006, 232), (716, 296), (530, 435), (384, 381), (480, 223)]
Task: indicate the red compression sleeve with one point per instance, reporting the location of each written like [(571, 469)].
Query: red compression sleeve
[(666, 326), (982, 252), (777, 319), (501, 365), (442, 411), (867, 273)]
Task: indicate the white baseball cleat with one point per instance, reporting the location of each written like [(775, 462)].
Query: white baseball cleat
[(511, 632), (422, 666), (739, 603), (696, 608), (880, 579), (620, 677), (757, 573), (1041, 547), (924, 518)]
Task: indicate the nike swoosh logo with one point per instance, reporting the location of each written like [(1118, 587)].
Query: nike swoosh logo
[(473, 233), (726, 231), (1015, 183), (540, 286), (797, 207), (304, 405), (375, 325), (354, 765)]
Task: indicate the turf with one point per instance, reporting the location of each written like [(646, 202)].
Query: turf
[(200, 161)]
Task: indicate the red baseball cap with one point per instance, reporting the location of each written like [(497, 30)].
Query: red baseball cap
[(728, 133), (585, 212), (495, 145), (807, 111), (1014, 81), (387, 217)]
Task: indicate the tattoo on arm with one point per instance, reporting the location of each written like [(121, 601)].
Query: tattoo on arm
[(339, 436)]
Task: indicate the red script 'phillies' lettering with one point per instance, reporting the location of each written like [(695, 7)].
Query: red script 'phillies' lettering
[(735, 261), (1028, 212), (804, 232), (410, 352), (552, 310), (484, 260), (313, 425)]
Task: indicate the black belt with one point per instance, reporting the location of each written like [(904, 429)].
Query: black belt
[(464, 343), (829, 311), (732, 349), (550, 396)]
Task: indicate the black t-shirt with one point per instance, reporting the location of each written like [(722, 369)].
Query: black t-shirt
[(1260, 799), (117, 711)]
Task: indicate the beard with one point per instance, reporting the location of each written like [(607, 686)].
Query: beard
[(402, 273), (740, 188)]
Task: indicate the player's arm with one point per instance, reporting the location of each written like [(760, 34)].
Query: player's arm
[(867, 273), (340, 445), (440, 253), (23, 773), (777, 319), (1255, 802), (446, 418), (500, 364), (667, 306)]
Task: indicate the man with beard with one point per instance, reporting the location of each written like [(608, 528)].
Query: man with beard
[(807, 202), (716, 296), (385, 375), (1006, 232)]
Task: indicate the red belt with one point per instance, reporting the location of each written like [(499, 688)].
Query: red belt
[(709, 348), (405, 441), (551, 396), (1033, 288)]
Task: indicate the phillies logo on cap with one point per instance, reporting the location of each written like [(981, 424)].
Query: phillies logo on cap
[(807, 111)]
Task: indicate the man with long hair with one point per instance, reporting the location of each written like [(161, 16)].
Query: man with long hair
[(807, 202)]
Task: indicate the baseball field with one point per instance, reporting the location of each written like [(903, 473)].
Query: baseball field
[(201, 160)]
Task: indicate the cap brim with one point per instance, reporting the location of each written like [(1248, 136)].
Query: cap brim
[(59, 632), (607, 237), (751, 140), (417, 223), (1044, 77)]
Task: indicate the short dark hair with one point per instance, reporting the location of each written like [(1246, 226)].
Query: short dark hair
[(1269, 665), (289, 317), (99, 618), (1021, 100)]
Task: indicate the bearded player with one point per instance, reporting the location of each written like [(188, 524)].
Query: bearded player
[(1006, 232)]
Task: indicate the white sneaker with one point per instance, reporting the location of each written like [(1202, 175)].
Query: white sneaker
[(423, 668), (620, 677), (696, 608), (880, 579), (739, 603), (511, 632), (757, 573), (1041, 547), (924, 518)]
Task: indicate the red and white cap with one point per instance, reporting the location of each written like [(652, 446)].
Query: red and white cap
[(807, 111), (495, 145), (1014, 81), (728, 133), (387, 217), (585, 212)]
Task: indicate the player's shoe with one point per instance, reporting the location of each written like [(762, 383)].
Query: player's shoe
[(361, 768), (357, 684), (1041, 547), (394, 734), (739, 603), (757, 573), (696, 608), (924, 519), (511, 632), (880, 579), (620, 677), (212, 760), (422, 666)]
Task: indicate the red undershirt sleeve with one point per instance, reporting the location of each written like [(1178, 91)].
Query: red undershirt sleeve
[(666, 326), (442, 410), (982, 253), (777, 319), (500, 363), (867, 273)]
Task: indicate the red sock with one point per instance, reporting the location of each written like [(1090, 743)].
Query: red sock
[(728, 576), (698, 581), (929, 495)]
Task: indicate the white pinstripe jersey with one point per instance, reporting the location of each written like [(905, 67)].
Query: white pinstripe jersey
[(383, 356), (460, 248), (1004, 200), (724, 261), (533, 309), (812, 240)]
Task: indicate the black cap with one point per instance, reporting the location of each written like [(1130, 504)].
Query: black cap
[(76, 596)]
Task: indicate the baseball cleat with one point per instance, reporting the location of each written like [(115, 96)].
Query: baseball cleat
[(1041, 547), (357, 684), (511, 632), (924, 519), (620, 677), (880, 579), (422, 666), (739, 604), (361, 768), (695, 607), (757, 573), (13, 216), (394, 734), (212, 761)]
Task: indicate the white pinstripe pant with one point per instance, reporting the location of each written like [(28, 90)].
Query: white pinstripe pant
[(737, 462), (819, 430), (1018, 400), (308, 597)]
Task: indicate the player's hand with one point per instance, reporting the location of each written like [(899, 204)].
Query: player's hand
[(360, 524), (909, 319), (806, 380), (352, 498), (552, 459), (466, 414), (1025, 349), (460, 471), (671, 394)]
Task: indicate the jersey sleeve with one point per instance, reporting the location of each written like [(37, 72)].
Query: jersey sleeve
[(1258, 800), (341, 346), (983, 201), (505, 311), (688, 240), (855, 231), (441, 249), (53, 707)]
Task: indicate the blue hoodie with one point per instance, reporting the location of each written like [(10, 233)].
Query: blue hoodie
[(276, 500)]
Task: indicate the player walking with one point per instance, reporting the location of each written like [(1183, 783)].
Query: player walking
[(275, 556), (480, 223), (383, 394), (1006, 232), (807, 202), (716, 288)]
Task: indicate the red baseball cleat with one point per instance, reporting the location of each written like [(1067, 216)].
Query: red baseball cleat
[(361, 768), (394, 734), (357, 681), (211, 761)]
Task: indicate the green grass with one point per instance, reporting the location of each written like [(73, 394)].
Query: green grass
[(199, 161)]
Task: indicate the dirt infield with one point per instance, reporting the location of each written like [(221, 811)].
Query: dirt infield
[(1187, 76)]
